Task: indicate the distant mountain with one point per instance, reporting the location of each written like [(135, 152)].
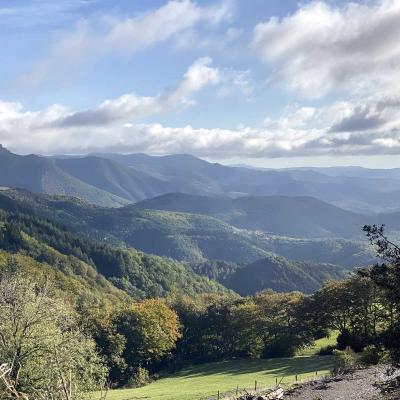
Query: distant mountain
[(109, 176), (304, 217), (113, 180), (353, 188), (43, 175)]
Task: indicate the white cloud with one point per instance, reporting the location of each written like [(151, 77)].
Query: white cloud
[(322, 48), (301, 131), (127, 36), (236, 80), (128, 106)]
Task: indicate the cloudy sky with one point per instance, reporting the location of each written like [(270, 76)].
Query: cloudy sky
[(269, 83)]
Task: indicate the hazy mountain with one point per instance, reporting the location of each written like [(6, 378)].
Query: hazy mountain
[(282, 215), (43, 175), (353, 188), (114, 180), (111, 177)]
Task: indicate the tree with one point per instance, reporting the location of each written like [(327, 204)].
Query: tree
[(49, 356), (281, 324), (387, 276), (98, 319), (353, 307), (151, 330)]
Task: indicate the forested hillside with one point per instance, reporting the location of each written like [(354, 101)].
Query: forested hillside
[(136, 273), (184, 236), (292, 216), (198, 240)]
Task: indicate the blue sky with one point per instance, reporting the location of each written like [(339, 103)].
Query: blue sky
[(270, 83)]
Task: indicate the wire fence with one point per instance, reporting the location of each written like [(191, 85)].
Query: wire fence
[(260, 388)]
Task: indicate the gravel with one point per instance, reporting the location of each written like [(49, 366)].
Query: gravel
[(360, 385)]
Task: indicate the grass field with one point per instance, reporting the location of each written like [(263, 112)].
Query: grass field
[(204, 380)]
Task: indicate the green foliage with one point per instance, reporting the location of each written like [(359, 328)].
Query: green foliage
[(327, 350), (140, 275), (373, 355), (139, 378), (386, 277), (151, 330), (42, 343), (344, 361), (280, 274)]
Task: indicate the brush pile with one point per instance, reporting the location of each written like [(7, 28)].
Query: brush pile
[(274, 394)]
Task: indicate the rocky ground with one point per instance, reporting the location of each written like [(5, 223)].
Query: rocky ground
[(364, 384)]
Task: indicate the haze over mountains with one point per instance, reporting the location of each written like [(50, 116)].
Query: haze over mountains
[(113, 180)]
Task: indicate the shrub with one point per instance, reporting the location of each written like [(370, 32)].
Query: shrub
[(373, 355), (326, 350), (344, 361), (139, 378), (280, 348), (347, 339)]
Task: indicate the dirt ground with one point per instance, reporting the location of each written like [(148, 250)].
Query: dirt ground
[(360, 385)]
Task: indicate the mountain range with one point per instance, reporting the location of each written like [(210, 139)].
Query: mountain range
[(112, 180), (248, 229)]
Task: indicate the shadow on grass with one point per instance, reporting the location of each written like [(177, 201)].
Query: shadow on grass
[(278, 366)]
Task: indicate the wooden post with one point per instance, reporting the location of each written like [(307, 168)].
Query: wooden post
[(237, 390), (296, 378), (255, 385), (316, 373), (276, 381), (218, 395)]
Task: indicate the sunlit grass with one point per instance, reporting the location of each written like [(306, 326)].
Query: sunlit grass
[(207, 379)]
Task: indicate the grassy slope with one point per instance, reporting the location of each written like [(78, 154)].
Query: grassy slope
[(205, 380)]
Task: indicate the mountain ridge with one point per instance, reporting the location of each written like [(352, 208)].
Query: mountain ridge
[(114, 180)]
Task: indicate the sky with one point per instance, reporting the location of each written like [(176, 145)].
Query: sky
[(262, 82)]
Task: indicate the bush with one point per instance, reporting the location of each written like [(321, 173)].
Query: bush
[(280, 348), (373, 355), (326, 350), (347, 339), (344, 361), (139, 378)]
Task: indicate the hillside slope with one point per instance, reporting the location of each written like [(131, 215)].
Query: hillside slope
[(136, 273), (198, 240), (42, 175), (281, 215), (281, 275), (114, 178), (188, 237)]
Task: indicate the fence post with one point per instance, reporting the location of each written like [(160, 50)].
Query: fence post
[(276, 381), (237, 390), (255, 385), (296, 378)]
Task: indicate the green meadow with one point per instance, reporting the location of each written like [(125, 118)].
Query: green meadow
[(205, 380)]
